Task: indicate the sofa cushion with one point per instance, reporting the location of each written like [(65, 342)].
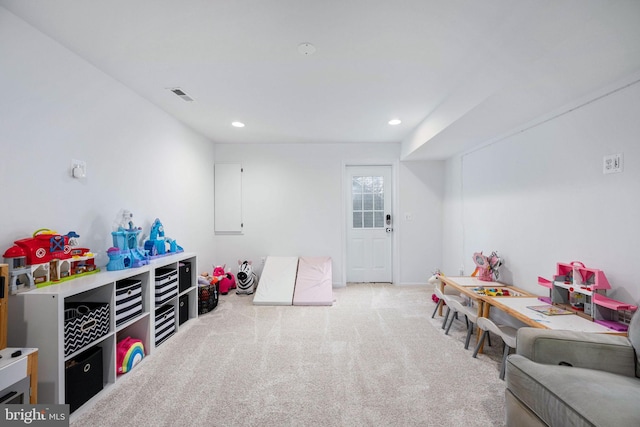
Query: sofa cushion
[(563, 395), (634, 338)]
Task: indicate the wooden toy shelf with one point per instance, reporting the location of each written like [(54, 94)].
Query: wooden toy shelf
[(37, 319)]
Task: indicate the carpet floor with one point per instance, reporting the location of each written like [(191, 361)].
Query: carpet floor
[(374, 358)]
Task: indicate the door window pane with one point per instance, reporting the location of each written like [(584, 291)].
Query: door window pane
[(356, 185), (378, 219), (367, 202), (367, 184), (367, 194), (357, 202), (368, 219), (377, 182), (357, 220), (378, 202)]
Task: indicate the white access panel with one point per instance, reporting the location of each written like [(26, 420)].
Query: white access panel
[(227, 198)]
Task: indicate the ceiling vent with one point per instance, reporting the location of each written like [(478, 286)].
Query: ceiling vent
[(181, 94)]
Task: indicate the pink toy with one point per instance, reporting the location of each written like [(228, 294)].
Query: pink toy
[(226, 281), (486, 266), (582, 289)]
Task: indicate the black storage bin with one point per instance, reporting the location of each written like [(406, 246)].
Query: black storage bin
[(84, 322), (83, 377), (128, 300), (207, 298), (183, 309), (184, 276)]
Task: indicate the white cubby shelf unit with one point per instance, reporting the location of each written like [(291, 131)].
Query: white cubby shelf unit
[(36, 319)]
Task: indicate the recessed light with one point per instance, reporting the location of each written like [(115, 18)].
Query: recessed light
[(394, 122), (306, 49), (237, 124)]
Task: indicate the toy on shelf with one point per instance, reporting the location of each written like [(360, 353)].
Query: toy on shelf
[(487, 266), (582, 290), (125, 252), (157, 243), (46, 258), (129, 352), (247, 278)]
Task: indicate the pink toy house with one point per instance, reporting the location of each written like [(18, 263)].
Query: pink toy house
[(583, 290)]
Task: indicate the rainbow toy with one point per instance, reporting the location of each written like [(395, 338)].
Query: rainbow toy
[(129, 352)]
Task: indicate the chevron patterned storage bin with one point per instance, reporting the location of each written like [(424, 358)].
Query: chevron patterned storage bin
[(84, 323)]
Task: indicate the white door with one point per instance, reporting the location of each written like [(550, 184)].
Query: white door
[(369, 224)]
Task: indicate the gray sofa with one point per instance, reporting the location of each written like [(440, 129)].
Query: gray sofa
[(563, 378)]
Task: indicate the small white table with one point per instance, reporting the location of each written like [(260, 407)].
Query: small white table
[(466, 286), (517, 307), (15, 369)]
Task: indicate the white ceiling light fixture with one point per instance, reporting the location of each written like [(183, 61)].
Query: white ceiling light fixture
[(394, 122), (237, 124), (306, 49)]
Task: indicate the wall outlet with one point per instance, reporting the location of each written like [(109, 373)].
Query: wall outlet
[(461, 271), (612, 163), (263, 260), (78, 168)]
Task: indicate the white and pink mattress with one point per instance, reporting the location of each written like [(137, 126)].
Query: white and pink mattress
[(295, 281), (277, 281), (314, 284)]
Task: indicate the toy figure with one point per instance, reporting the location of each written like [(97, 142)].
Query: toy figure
[(204, 279), (157, 243), (247, 279), (486, 266), (125, 252), (435, 281), (226, 280)]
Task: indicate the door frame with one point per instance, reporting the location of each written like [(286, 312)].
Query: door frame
[(346, 200)]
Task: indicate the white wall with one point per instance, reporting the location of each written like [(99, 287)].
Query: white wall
[(539, 197), (420, 237), (293, 205), (56, 107)]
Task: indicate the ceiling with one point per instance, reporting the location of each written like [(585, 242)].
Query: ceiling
[(456, 72)]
